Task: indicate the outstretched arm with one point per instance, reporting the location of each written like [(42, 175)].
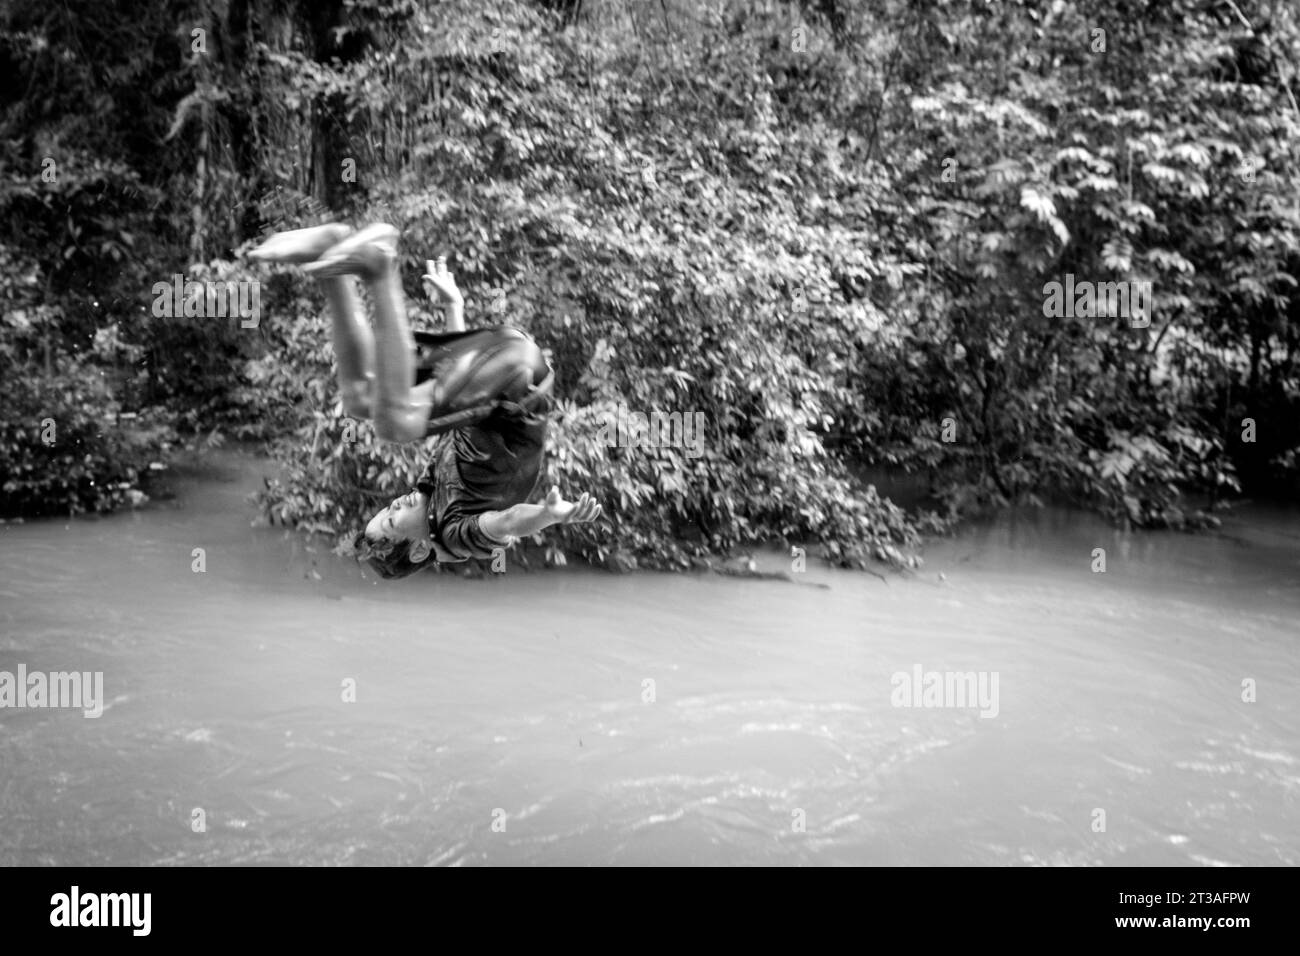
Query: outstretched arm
[(521, 521), (441, 286)]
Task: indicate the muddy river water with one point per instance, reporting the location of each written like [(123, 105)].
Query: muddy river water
[(282, 707)]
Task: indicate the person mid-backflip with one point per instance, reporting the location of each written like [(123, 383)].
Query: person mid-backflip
[(486, 392)]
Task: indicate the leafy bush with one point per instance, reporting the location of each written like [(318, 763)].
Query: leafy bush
[(65, 444)]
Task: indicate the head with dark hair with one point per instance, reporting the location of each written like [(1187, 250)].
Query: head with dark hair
[(396, 541)]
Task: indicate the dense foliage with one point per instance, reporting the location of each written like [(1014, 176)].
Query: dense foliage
[(826, 227)]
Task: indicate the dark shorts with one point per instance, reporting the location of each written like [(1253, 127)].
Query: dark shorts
[(480, 372)]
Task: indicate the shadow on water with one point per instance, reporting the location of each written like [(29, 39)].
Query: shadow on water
[(649, 718)]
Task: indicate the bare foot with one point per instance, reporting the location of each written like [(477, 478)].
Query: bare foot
[(301, 245), (367, 253)]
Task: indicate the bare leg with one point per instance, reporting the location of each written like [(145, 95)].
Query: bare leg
[(400, 411), (354, 345), (394, 346)]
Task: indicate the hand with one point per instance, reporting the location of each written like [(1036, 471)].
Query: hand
[(440, 283), (567, 512)]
